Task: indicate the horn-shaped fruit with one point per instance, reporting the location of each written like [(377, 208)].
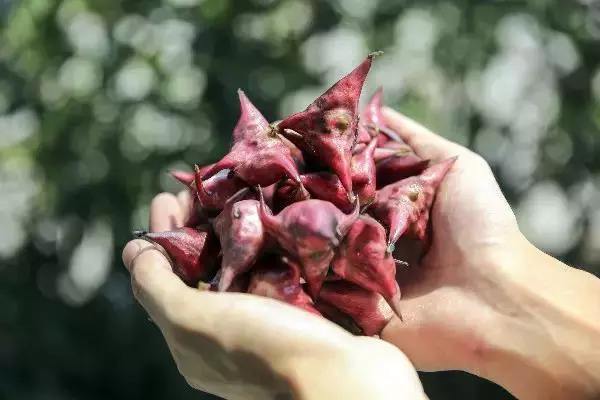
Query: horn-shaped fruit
[(362, 258), (187, 178), (371, 118), (366, 308), (288, 192), (278, 277), (327, 186), (309, 231), (318, 168), (372, 124), (192, 251), (269, 193), (251, 122), (241, 235), (363, 174), (238, 285), (258, 156), (396, 161), (405, 205), (213, 192), (326, 131), (196, 214)]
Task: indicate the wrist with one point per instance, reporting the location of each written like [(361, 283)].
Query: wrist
[(543, 338)]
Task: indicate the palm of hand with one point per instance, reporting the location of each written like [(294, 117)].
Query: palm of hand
[(449, 294), (233, 345), (241, 346), (246, 345)]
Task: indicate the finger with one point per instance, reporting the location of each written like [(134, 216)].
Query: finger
[(408, 337), (424, 142), (165, 213), (269, 326), (153, 282), (185, 202)]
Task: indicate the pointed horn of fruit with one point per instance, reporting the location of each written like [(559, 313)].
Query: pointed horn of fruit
[(184, 177), (225, 279), (435, 173), (251, 120), (342, 168), (371, 117), (203, 196), (327, 129), (394, 303), (349, 219), (227, 162), (399, 224), (192, 252), (270, 222), (351, 85)]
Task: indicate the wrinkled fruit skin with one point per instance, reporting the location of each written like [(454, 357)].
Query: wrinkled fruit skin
[(396, 161), (327, 129), (372, 124), (363, 173), (363, 259), (368, 310), (306, 210), (213, 192), (242, 238), (327, 186), (309, 231), (278, 277), (258, 156), (371, 119), (287, 193), (404, 206), (192, 251)]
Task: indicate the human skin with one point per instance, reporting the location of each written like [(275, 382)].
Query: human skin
[(485, 300), (482, 300), (241, 346)]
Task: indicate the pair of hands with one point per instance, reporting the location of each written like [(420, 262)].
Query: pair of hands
[(459, 305)]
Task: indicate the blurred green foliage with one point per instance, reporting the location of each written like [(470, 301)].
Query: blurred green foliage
[(98, 99)]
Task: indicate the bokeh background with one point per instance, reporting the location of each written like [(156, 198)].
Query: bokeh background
[(98, 99)]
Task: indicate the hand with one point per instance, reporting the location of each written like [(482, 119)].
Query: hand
[(240, 346), (483, 299), (446, 298)]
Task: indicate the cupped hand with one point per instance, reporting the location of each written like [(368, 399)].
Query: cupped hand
[(240, 346), (485, 300), (451, 298)]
